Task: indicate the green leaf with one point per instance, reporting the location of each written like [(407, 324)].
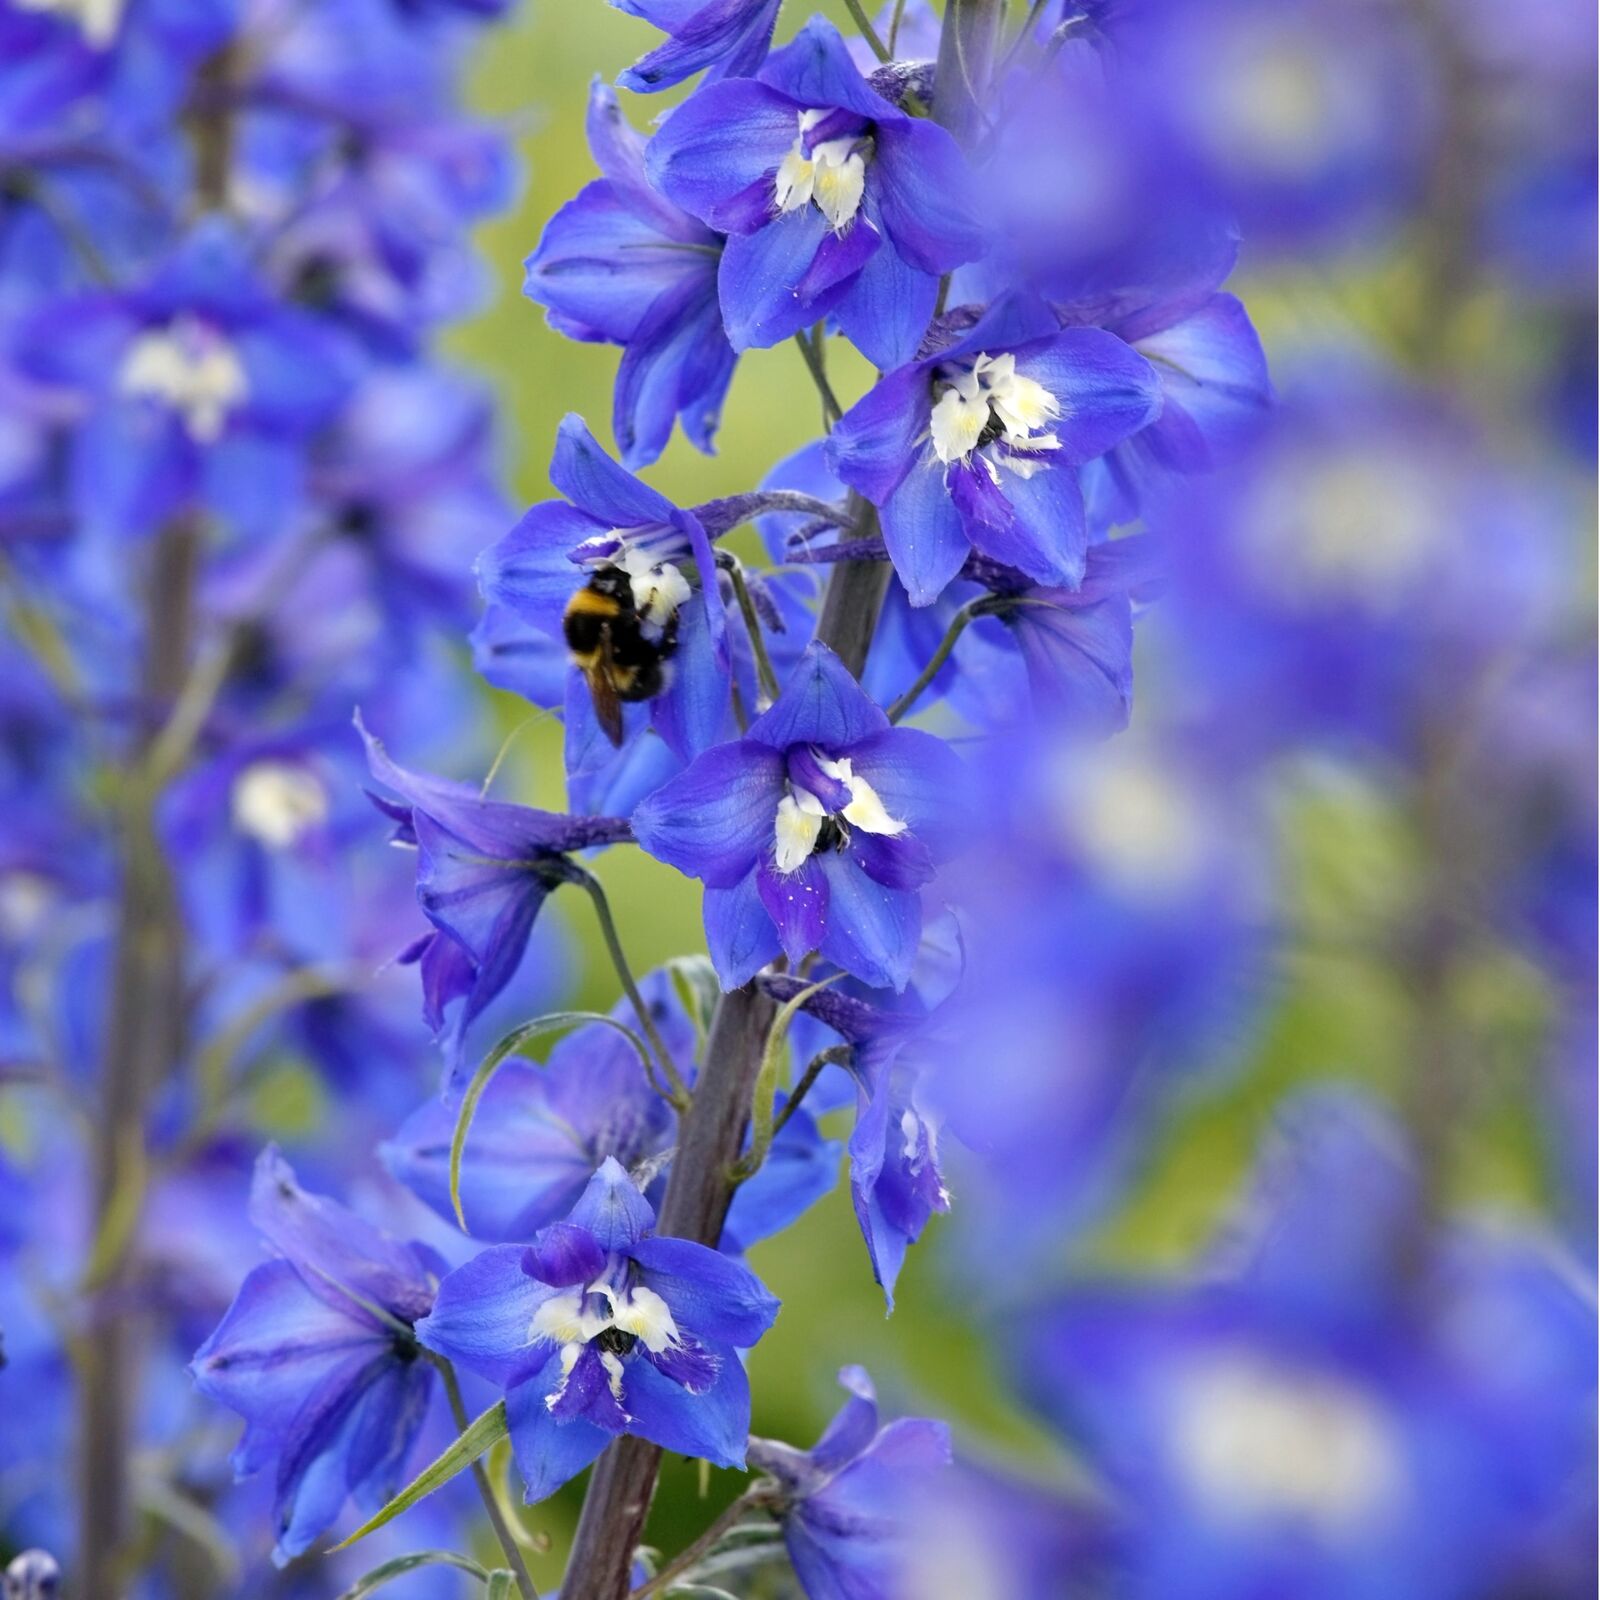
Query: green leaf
[(401, 1565), (554, 1022), (766, 1088), (694, 980), (481, 1435), (502, 1584)]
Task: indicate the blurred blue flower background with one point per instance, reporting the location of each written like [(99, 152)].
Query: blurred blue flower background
[(1193, 1006)]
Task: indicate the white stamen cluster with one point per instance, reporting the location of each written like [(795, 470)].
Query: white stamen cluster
[(277, 803), (992, 390), (801, 815), (189, 368), (568, 1320), (833, 176), (97, 19)]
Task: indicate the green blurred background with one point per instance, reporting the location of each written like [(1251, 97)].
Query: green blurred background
[(1341, 1012)]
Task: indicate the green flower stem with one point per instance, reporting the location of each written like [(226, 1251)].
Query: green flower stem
[(817, 367), (894, 25), (491, 1502), (868, 32), (767, 678), (834, 1055), (958, 626), (757, 1497), (586, 881)]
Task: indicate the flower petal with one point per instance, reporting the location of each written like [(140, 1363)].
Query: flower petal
[(1106, 388), (276, 1344), (872, 930), (719, 145), (1047, 536), (612, 1209), (708, 1293), (739, 932), (797, 902), (714, 1424), (821, 704), (714, 820), (923, 187), (343, 1258), (596, 484), (887, 307), (874, 444), (564, 1254), (760, 277), (923, 532), (548, 1453), (482, 1314)]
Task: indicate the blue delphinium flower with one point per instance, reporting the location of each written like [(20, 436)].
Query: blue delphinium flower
[(1335, 161), (1030, 647), (611, 523), (896, 1179), (600, 1328), (621, 264), (359, 159), (976, 448), (846, 1505), (1116, 920), (1215, 390), (1333, 576), (540, 1132), (317, 1355), (728, 37), (254, 835), (813, 832), (402, 496), (836, 202), (1319, 1418), (484, 868), (199, 388)]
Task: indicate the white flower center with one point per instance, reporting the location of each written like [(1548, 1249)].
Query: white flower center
[(1255, 1440), (25, 901), (1273, 107), (992, 400), (1136, 823), (832, 176), (801, 815), (99, 19), (659, 589), (191, 369), (1360, 527), (568, 1320), (277, 803)]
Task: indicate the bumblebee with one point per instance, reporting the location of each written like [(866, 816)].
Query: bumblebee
[(622, 646)]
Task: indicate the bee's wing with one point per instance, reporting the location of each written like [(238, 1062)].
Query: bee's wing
[(602, 681)]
